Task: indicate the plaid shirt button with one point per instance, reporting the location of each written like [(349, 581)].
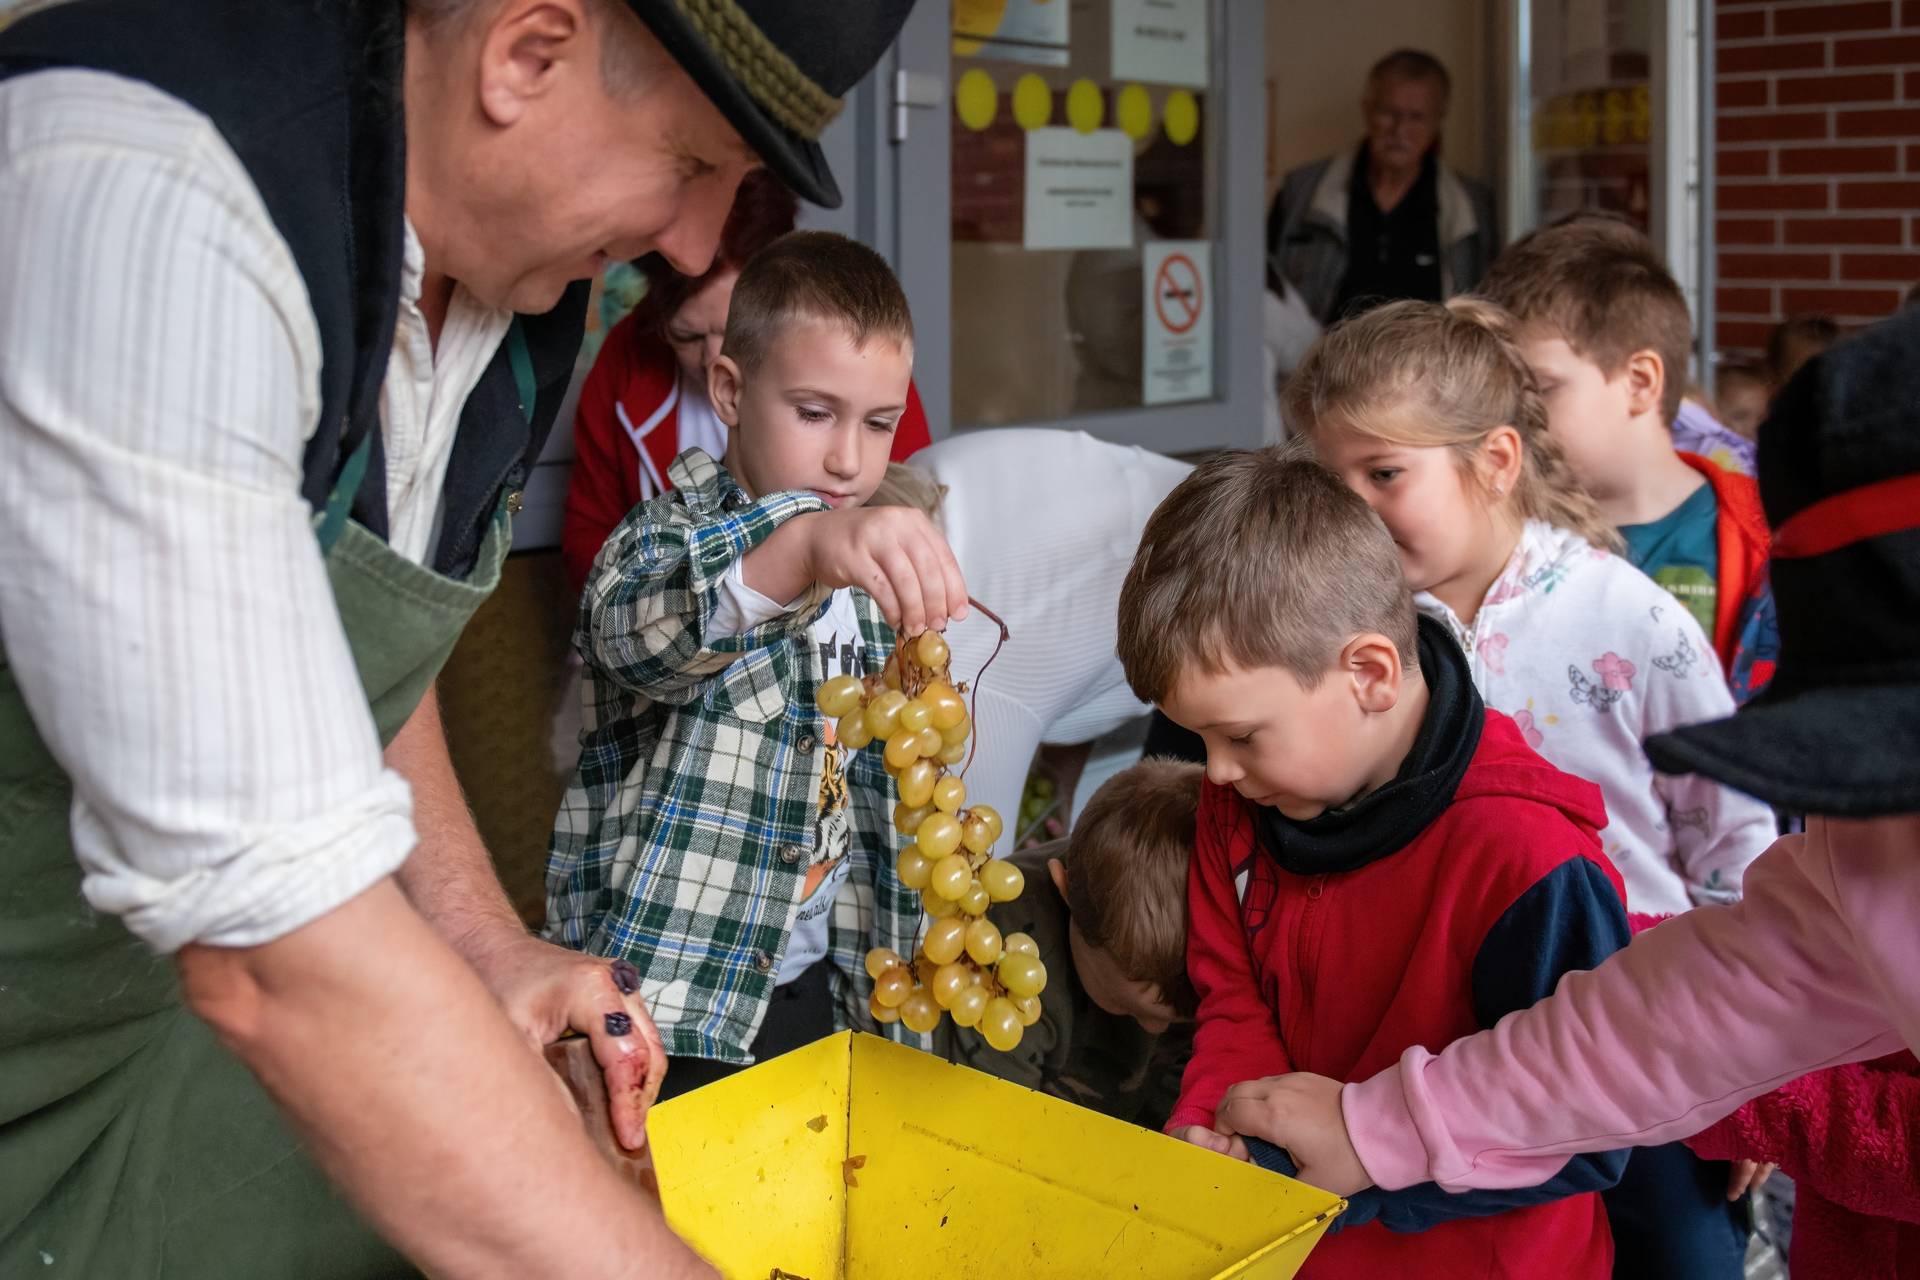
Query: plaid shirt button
[(791, 854), (805, 745), (763, 962)]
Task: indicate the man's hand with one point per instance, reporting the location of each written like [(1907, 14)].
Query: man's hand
[(393, 1062), (1201, 1136), (544, 989), (894, 554), (1747, 1175), (547, 991), (1300, 1112)]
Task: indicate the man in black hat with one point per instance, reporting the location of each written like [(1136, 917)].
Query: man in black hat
[(289, 296), (1816, 965)]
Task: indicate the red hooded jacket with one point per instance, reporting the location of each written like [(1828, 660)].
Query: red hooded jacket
[(1340, 973)]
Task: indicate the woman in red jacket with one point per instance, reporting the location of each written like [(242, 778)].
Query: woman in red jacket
[(645, 399)]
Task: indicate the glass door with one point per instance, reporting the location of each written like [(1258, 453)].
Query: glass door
[(1607, 104), (1076, 215)]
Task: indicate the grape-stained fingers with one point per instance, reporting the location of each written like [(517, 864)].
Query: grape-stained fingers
[(627, 1046)]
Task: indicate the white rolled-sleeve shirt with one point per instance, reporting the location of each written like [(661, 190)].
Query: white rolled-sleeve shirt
[(163, 603)]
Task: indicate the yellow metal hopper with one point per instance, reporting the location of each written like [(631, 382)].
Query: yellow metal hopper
[(856, 1157)]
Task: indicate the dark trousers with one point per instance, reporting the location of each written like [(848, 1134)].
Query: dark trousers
[(1672, 1221), (800, 1012)]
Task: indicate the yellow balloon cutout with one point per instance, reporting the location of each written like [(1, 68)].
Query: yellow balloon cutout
[(1086, 109), (1133, 112), (1182, 117), (976, 99), (1032, 102)]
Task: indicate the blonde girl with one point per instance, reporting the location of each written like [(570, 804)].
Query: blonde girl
[(1429, 413)]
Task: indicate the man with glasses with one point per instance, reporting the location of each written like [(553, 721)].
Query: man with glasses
[(1386, 220)]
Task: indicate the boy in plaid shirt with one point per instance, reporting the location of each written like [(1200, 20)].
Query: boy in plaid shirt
[(715, 834)]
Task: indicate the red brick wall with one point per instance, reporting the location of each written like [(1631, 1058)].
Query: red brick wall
[(1818, 122)]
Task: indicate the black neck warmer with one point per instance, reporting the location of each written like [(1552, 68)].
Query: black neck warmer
[(1388, 819)]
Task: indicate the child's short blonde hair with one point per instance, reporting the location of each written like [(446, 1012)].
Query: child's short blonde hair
[(1259, 559), (1456, 366), (814, 275), (1127, 873), (1598, 283)]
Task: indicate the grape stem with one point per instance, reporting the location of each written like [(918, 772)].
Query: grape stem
[(974, 709)]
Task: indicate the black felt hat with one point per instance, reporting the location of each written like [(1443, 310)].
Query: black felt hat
[(778, 69), (1838, 730)]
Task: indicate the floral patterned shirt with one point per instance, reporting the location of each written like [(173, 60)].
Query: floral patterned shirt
[(1590, 657)]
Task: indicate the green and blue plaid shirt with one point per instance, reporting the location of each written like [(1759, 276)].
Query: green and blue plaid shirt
[(684, 838)]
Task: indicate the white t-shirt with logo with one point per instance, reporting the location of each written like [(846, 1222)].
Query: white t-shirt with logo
[(836, 649)]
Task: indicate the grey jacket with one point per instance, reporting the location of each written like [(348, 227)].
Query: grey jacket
[(1307, 231)]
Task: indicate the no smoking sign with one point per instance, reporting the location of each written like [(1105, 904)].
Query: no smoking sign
[(1177, 347), (1178, 296)]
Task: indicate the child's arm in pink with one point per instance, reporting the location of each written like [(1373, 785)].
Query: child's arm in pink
[(1851, 1134), (1712, 1008), (1236, 1037)]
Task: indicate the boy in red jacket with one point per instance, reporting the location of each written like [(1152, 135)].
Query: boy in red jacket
[(1380, 860)]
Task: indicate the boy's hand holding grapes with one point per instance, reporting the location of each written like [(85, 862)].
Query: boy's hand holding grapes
[(894, 554)]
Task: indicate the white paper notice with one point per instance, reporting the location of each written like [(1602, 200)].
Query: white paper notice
[(1160, 41), (1079, 189), (1176, 362)]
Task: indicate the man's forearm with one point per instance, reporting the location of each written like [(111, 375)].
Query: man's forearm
[(450, 877), (421, 1102)]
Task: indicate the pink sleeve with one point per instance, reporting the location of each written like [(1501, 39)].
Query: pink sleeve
[(1850, 1134), (1696, 1016), (1236, 1037)]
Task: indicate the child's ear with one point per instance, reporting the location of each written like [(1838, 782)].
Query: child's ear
[(723, 389), (1646, 374), (1502, 456), (1057, 871), (1372, 663)]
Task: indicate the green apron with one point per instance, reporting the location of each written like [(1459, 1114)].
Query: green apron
[(131, 1142)]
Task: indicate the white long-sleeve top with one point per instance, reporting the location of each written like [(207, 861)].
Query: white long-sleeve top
[(1591, 657), (1044, 525), (163, 604)]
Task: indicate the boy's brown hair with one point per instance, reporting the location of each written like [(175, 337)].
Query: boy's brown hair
[(814, 275), (1127, 873), (1259, 558), (1598, 283)]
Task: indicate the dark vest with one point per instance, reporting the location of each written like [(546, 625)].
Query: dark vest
[(307, 94)]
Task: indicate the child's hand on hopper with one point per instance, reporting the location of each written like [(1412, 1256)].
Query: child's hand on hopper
[(1300, 1112), (1201, 1136)]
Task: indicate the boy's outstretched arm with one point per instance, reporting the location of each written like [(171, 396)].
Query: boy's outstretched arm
[(648, 613), (1236, 1037)]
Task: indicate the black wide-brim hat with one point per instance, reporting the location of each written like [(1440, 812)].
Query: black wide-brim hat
[(779, 69), (1838, 730)]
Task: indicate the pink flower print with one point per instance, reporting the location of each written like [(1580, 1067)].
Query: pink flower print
[(1615, 672), (1524, 719), (1493, 651)]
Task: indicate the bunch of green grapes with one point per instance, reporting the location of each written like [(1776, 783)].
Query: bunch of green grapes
[(963, 967)]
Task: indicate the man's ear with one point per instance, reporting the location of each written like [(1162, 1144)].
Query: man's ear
[(526, 49), (1646, 374), (1057, 871), (724, 386), (1371, 663)]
